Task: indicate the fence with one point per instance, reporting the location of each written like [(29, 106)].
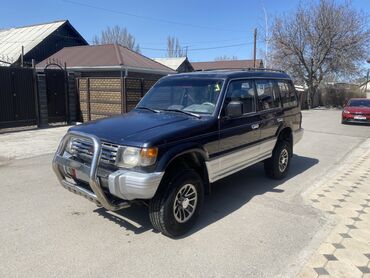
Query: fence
[(17, 97), (30, 98), (103, 97)]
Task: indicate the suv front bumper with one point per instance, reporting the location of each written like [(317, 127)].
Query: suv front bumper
[(124, 184)]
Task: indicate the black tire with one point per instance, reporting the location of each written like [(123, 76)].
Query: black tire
[(273, 168), (162, 207)]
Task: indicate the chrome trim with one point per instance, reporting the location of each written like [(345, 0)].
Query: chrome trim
[(97, 196), (228, 164), (255, 126), (297, 135)]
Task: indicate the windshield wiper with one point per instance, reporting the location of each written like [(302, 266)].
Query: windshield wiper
[(184, 112), (147, 108)]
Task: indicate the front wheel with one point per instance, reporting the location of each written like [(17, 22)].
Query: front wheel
[(277, 165), (176, 206)]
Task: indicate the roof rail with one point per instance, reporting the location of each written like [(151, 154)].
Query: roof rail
[(244, 69)]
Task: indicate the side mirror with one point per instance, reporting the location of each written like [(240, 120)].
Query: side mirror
[(234, 109)]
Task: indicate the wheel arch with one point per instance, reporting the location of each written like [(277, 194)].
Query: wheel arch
[(187, 157), (286, 134)]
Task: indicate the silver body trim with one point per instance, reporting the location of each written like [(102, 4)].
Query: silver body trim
[(130, 185), (228, 164), (124, 184)]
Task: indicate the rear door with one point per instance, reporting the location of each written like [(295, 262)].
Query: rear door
[(270, 111), (289, 98)]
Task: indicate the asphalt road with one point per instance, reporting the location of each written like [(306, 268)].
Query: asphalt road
[(251, 226)]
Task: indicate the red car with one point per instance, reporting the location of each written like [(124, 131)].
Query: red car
[(357, 110)]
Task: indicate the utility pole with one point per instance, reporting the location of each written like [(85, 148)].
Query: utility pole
[(255, 48)]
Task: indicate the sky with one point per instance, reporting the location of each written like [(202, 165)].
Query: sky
[(207, 28)]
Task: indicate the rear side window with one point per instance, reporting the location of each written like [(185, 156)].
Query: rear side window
[(287, 93), (242, 91), (268, 95)]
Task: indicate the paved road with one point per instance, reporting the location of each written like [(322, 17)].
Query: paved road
[(250, 226)]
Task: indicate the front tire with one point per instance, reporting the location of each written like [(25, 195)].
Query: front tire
[(175, 208), (277, 166)]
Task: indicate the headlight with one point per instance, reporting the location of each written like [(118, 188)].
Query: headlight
[(346, 112), (69, 148), (129, 157)]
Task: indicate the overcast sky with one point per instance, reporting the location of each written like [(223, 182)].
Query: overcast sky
[(208, 28)]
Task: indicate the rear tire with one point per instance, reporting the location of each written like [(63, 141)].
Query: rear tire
[(277, 166), (176, 206)]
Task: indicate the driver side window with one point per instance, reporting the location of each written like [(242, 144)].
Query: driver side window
[(242, 91)]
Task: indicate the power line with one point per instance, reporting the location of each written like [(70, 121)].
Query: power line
[(151, 18)]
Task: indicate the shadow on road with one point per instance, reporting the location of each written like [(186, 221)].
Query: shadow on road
[(228, 195)]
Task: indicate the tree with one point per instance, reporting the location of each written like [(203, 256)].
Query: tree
[(174, 48), (320, 40), (117, 35), (225, 58)]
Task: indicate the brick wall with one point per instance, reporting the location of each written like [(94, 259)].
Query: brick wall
[(107, 96)]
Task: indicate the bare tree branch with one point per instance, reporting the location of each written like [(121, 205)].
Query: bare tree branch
[(117, 35), (174, 48), (225, 58), (321, 40)]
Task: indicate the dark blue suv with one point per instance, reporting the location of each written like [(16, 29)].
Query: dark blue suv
[(189, 131)]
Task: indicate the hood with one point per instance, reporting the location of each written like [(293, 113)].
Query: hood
[(358, 109), (139, 128)]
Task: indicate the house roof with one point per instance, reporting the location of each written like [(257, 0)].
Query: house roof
[(227, 64), (173, 63), (12, 40), (104, 57)]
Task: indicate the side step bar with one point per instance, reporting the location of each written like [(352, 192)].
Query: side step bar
[(97, 196)]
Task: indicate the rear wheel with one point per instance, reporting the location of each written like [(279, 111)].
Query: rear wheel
[(175, 208), (277, 165)]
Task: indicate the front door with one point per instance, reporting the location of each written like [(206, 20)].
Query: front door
[(238, 135)]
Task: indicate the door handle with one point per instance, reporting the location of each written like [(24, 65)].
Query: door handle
[(255, 126), (279, 120)]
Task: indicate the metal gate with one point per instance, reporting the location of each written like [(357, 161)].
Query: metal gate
[(17, 97), (56, 91)]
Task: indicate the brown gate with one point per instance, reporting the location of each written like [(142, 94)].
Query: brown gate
[(17, 97), (56, 91)]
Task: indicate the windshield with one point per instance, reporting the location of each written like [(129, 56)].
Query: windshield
[(192, 95), (359, 102)]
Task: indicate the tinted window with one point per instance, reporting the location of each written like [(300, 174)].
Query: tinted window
[(268, 96), (288, 96), (242, 91)]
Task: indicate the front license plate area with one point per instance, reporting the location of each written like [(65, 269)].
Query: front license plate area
[(359, 117), (81, 176)]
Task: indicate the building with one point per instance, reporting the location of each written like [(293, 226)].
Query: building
[(111, 79), (38, 42), (179, 64), (226, 64), (108, 60)]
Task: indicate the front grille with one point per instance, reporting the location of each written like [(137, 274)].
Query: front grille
[(84, 149)]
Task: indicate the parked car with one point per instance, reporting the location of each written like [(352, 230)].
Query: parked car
[(188, 131), (357, 110)]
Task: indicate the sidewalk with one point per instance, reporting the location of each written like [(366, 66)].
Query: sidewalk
[(344, 197), (24, 144)]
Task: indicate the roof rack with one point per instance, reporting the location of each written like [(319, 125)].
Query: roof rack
[(245, 69)]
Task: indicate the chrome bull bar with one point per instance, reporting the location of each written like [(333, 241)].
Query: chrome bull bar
[(97, 196)]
